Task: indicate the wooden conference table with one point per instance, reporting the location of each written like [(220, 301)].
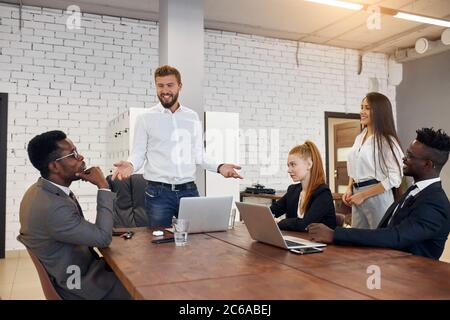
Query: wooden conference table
[(230, 265)]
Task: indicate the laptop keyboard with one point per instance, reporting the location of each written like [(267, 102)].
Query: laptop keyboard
[(292, 243)]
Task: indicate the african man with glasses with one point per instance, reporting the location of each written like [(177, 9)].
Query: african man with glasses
[(53, 227)]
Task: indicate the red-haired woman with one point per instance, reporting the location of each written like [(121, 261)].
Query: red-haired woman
[(310, 200)]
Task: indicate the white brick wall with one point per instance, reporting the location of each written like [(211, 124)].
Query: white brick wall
[(75, 81), (259, 78), (78, 80)]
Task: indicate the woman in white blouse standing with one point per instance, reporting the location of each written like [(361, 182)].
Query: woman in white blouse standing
[(374, 163)]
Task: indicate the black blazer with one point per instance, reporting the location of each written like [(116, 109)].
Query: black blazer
[(421, 227), (320, 208)]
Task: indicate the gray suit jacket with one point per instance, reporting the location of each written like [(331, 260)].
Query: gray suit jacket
[(54, 231)]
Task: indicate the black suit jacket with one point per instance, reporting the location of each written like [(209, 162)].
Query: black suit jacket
[(420, 227), (320, 208)]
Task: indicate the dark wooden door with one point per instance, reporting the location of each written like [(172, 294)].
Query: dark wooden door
[(344, 137), (3, 137)]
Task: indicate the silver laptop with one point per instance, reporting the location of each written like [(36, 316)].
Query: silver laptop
[(262, 227), (206, 214)]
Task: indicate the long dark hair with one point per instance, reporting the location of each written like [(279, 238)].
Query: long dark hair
[(383, 126)]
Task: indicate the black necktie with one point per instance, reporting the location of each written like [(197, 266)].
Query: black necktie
[(72, 196), (80, 211), (402, 202), (408, 191)]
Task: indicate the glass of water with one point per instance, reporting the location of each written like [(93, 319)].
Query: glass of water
[(180, 228), (232, 219)]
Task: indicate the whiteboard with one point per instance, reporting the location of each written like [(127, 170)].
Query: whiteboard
[(222, 146)]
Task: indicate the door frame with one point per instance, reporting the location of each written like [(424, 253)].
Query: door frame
[(337, 115), (3, 157)]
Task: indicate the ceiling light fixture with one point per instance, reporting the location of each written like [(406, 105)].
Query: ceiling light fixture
[(340, 4), (388, 11), (422, 19)]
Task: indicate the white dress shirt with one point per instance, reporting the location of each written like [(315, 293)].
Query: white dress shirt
[(169, 145), (300, 214), (422, 185), (66, 190), (361, 165)]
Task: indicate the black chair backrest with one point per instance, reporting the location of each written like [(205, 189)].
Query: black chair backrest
[(129, 206)]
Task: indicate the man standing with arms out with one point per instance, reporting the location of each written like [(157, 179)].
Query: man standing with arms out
[(169, 140), (419, 222), (53, 227)]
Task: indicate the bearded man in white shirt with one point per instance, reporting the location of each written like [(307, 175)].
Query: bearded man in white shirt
[(168, 142)]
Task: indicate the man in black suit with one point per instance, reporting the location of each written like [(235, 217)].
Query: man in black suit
[(419, 222)]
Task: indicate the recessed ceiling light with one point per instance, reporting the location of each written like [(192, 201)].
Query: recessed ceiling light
[(340, 4)]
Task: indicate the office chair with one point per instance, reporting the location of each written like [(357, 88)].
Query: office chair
[(343, 212), (129, 206), (46, 283), (340, 219)]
